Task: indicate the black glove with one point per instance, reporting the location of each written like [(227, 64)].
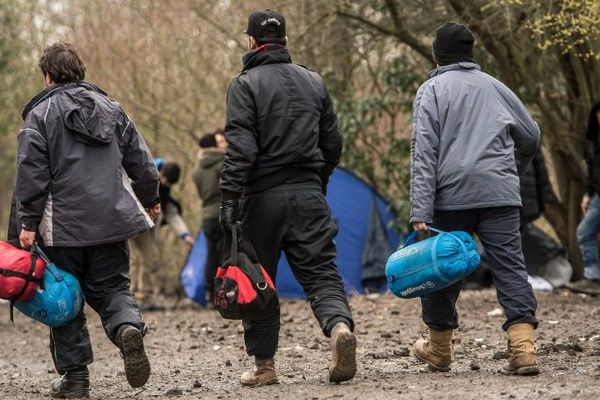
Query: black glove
[(228, 216)]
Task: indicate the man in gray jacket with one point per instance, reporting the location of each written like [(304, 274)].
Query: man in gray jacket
[(85, 183), (471, 137)]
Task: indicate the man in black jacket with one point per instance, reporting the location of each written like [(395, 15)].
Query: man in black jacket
[(85, 183), (283, 146)]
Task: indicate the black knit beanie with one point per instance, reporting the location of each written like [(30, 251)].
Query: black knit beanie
[(453, 43)]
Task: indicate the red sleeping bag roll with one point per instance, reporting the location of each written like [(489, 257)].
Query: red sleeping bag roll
[(20, 273)]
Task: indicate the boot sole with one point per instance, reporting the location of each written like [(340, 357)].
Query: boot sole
[(432, 367), (85, 395), (343, 366), (258, 384), (137, 366), (523, 371)]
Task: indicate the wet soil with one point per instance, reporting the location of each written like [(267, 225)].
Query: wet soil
[(197, 355)]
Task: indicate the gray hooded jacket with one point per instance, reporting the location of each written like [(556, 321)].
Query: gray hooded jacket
[(471, 136), (84, 173)]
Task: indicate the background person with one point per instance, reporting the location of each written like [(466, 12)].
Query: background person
[(545, 258), (146, 274), (206, 177), (84, 177), (466, 129), (283, 146), (589, 227)]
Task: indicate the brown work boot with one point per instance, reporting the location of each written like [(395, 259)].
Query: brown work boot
[(262, 374), (522, 351), (343, 354), (437, 351)]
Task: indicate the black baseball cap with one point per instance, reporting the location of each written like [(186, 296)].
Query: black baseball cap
[(266, 26)]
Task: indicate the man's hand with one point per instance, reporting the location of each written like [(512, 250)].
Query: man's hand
[(189, 240), (154, 212), (420, 226), (585, 202), (26, 239), (228, 216)]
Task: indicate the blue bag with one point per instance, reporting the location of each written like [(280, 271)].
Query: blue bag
[(430, 265), (57, 300)]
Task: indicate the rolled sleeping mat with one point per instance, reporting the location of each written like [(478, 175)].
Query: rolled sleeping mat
[(418, 269)]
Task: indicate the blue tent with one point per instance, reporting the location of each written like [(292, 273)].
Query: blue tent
[(365, 240)]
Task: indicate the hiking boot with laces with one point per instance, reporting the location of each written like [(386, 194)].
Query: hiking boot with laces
[(72, 385), (437, 351), (262, 374), (137, 367)]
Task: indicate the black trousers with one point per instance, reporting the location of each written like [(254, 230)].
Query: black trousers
[(103, 272), (294, 218), (498, 230), (214, 241)]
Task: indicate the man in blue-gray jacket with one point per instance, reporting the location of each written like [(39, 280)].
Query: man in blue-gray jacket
[(471, 138)]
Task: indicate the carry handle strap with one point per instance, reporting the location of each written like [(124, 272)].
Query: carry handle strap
[(234, 243), (42, 255), (411, 238)]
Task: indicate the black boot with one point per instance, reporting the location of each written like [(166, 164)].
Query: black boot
[(73, 385), (137, 367)]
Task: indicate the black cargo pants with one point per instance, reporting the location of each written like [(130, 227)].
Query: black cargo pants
[(498, 230), (294, 218), (103, 272)]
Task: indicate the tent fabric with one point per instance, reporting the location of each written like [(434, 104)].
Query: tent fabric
[(355, 206), (377, 248)]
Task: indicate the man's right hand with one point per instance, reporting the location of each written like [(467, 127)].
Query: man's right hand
[(228, 215), (585, 202), (420, 226), (26, 239), (154, 212)]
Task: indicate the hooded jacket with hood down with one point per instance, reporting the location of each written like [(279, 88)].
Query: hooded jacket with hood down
[(84, 173), (467, 129), (206, 178)]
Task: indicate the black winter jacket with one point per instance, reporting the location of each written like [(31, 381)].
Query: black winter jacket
[(535, 189), (281, 126), (592, 154), (84, 173)]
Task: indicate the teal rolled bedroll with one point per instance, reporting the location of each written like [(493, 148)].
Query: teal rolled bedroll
[(421, 268)]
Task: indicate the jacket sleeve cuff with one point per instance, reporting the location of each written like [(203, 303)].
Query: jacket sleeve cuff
[(227, 195), (29, 225), (152, 203), (421, 218)]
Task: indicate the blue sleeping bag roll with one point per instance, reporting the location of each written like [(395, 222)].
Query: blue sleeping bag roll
[(57, 300), (430, 265)]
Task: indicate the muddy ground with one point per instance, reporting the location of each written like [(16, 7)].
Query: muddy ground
[(197, 355)]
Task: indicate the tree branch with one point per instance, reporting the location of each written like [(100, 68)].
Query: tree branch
[(399, 33)]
